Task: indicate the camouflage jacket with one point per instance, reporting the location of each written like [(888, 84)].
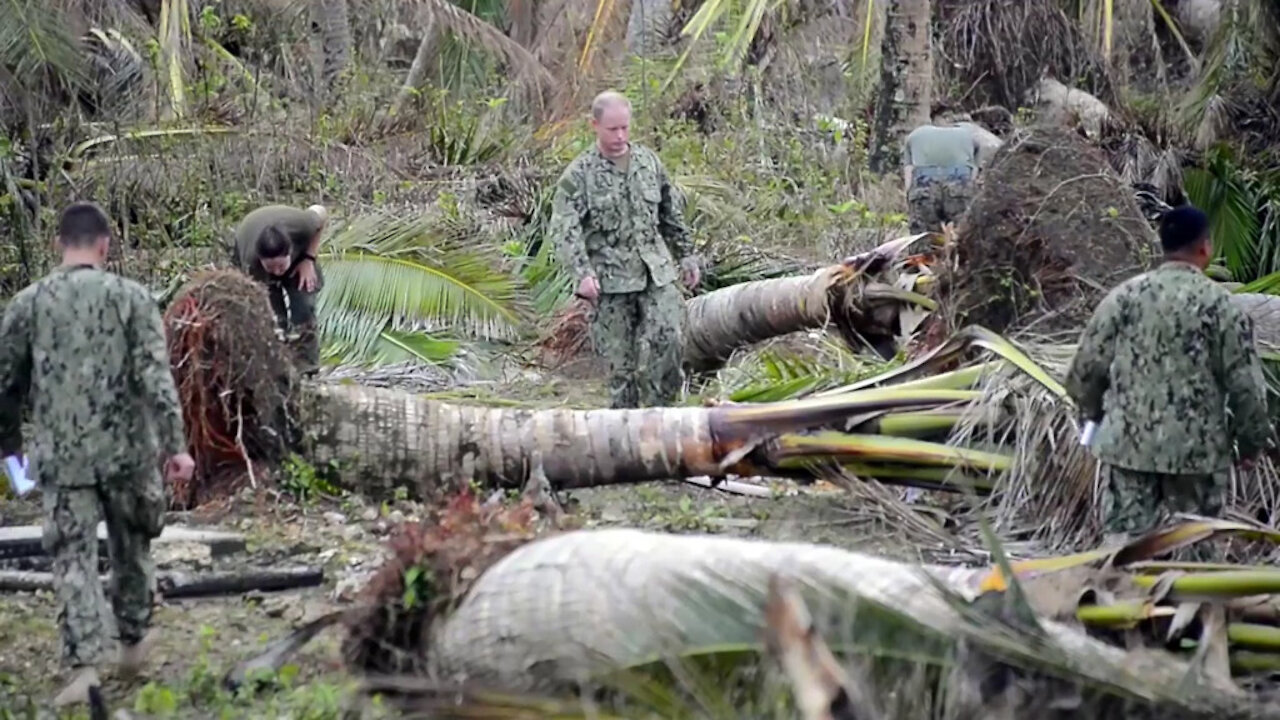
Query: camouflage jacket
[(623, 226), (85, 350), (1169, 365)]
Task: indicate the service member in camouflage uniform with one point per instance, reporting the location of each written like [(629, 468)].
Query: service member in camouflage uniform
[(277, 245), (1168, 368), (617, 223), (939, 166), (84, 349)]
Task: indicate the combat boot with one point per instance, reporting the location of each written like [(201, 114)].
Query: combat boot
[(76, 691), (133, 657)]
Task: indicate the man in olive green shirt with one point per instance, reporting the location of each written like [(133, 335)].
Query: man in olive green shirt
[(939, 164), (277, 245)]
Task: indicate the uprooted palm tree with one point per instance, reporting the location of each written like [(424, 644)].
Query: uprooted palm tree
[(870, 300), (998, 424), (473, 611)]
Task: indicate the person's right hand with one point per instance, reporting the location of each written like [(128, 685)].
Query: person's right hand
[(1246, 464), (588, 288), (179, 467)]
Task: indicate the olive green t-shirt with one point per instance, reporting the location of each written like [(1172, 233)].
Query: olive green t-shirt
[(940, 146), (298, 225)]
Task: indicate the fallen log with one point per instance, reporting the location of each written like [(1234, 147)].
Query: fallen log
[(178, 584), (552, 614), (380, 439)]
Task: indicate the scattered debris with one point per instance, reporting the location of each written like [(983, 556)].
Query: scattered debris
[(173, 584), (26, 540)]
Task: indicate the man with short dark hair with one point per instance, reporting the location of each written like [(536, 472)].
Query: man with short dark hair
[(85, 350), (1172, 362), (277, 245)]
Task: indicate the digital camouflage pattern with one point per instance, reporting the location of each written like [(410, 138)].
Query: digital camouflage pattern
[(1135, 502), (71, 520), (934, 201), (623, 223), (299, 314), (84, 349), (1169, 365), (645, 368)]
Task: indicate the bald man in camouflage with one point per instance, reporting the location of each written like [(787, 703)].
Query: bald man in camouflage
[(618, 227), (277, 246)]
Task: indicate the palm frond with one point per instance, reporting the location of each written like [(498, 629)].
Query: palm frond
[(389, 278), (521, 62), (735, 47), (1228, 199), (38, 49)]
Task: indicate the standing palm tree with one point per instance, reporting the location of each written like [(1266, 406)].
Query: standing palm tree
[(906, 79)]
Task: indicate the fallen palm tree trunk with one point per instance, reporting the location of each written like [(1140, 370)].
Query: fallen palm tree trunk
[(860, 299), (581, 606), (863, 314), (380, 439)]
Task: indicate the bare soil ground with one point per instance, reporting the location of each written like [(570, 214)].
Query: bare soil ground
[(202, 638)]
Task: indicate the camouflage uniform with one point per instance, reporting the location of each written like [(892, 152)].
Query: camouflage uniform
[(1169, 365), (943, 161), (622, 222), (85, 349), (300, 226)]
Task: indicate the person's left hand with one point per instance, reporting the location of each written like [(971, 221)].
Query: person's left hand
[(689, 272), (307, 276)]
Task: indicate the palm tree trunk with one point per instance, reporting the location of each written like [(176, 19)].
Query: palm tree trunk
[(906, 80), (722, 321), (426, 48), (335, 41), (381, 439), (647, 27), (583, 603)]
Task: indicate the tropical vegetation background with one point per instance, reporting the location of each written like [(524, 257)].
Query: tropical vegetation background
[(435, 130)]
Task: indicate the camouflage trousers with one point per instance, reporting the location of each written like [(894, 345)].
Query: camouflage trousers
[(1136, 502), (71, 514), (641, 334), (934, 201)]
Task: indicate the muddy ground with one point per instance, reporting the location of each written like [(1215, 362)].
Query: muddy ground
[(202, 638)]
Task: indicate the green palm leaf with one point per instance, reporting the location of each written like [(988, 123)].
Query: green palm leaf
[(389, 280), (38, 51), (1224, 193)]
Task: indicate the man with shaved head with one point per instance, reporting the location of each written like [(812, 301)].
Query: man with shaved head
[(619, 228), (277, 245)]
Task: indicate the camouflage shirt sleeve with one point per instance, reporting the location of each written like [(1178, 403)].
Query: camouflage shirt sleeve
[(568, 207), (1246, 388), (671, 216), (1089, 375), (152, 373), (15, 371)]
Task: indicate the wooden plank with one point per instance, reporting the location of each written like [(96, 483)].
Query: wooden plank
[(189, 585), (25, 540)]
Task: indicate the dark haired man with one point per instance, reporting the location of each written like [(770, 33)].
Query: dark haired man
[(85, 349), (277, 245), (1172, 362)]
